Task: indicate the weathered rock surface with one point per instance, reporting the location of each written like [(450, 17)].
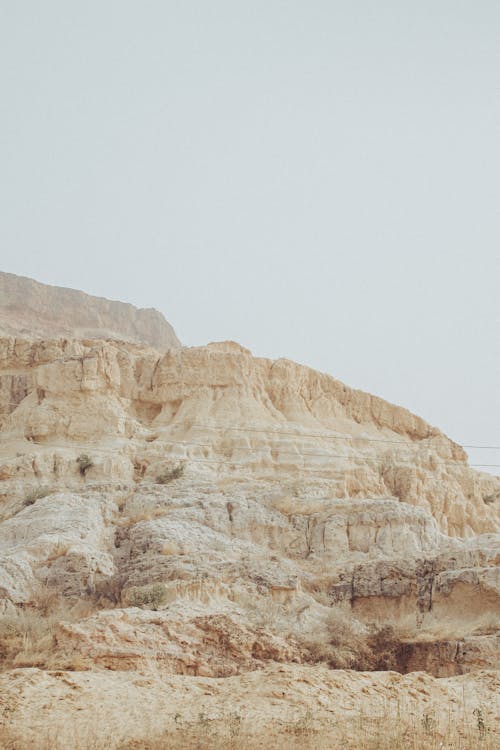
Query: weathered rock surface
[(29, 308), (61, 540), (221, 514), (222, 410)]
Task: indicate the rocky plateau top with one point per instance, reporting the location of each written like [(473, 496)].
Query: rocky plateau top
[(29, 308)]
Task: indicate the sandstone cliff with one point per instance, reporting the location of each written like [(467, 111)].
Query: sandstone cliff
[(186, 516), (221, 410), (29, 308)]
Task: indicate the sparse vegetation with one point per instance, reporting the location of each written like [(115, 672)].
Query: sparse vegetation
[(147, 514), (392, 730), (60, 550), (84, 463), (348, 646), (428, 723), (490, 499), (27, 634), (108, 591), (174, 472), (36, 494), (150, 597), (386, 648)]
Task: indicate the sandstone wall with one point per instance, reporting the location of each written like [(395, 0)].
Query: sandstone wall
[(304, 517), (218, 409)]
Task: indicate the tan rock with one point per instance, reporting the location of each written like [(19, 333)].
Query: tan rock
[(282, 516), (29, 308), (224, 412), (62, 541), (286, 706)]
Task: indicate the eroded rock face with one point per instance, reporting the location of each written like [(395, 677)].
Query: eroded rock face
[(62, 540), (29, 308), (250, 573), (452, 656), (222, 514), (209, 645), (223, 411)]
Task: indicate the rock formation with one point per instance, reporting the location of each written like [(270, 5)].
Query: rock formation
[(172, 518), (29, 308)]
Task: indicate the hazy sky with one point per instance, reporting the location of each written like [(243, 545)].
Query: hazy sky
[(317, 180)]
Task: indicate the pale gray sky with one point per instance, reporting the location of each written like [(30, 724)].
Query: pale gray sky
[(317, 180)]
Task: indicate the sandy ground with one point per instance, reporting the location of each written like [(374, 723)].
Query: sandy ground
[(280, 706)]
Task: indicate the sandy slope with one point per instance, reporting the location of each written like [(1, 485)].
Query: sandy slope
[(311, 705)]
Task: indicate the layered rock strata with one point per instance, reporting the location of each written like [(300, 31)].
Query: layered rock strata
[(206, 514)]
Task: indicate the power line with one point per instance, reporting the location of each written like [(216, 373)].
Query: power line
[(313, 455), (253, 453), (484, 465), (483, 447), (336, 437), (350, 438), (329, 437)]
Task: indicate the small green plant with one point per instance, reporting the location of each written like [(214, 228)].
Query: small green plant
[(84, 463), (175, 472), (480, 723), (234, 727), (150, 597), (303, 727), (428, 723), (36, 494)]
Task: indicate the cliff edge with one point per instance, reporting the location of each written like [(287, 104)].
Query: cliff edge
[(29, 308)]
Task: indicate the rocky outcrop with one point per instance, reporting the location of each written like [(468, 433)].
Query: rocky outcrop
[(205, 514), (209, 645), (29, 308), (445, 658), (244, 565), (62, 541), (221, 410)]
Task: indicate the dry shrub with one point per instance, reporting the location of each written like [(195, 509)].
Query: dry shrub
[(148, 514), (48, 601), (150, 597), (108, 591), (37, 493), (60, 550), (27, 635), (385, 648), (174, 472), (342, 645), (347, 645), (84, 463), (26, 638), (264, 614), (390, 732)]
